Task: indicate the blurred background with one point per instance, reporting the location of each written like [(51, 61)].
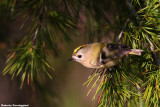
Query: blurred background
[(64, 90)]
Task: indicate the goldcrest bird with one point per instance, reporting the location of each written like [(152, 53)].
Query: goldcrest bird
[(102, 55)]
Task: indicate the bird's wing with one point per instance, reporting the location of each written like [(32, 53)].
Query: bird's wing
[(112, 51), (112, 48)]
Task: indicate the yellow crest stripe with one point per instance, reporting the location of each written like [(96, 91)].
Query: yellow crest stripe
[(77, 49)]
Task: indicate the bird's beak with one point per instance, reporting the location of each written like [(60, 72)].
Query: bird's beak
[(70, 59)]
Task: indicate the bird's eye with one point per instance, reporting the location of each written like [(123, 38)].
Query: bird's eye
[(79, 56)]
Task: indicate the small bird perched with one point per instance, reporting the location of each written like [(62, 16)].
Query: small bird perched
[(102, 55)]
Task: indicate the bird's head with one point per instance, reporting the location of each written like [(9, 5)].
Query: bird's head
[(79, 54)]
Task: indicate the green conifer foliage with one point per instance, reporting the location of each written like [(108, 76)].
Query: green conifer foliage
[(135, 81)]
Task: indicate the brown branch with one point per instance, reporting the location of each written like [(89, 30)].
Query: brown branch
[(39, 26), (122, 31), (35, 37)]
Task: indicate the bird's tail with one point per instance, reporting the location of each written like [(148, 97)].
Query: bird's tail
[(136, 51)]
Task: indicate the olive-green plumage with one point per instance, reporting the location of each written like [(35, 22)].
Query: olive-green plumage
[(102, 55)]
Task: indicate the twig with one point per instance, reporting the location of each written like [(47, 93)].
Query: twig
[(39, 26), (122, 31), (152, 48), (151, 44), (35, 37)]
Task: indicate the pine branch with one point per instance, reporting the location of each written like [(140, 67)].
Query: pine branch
[(129, 72), (155, 58), (134, 80), (29, 58)]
